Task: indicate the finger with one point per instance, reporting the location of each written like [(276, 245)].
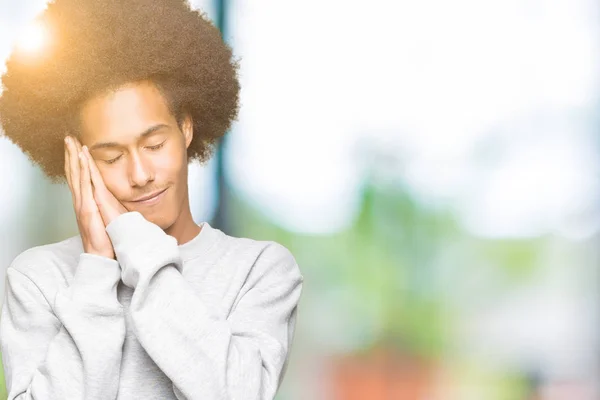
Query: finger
[(77, 144), (97, 181), (74, 172), (78, 151), (99, 189), (87, 196), (74, 164), (68, 172), (66, 166)]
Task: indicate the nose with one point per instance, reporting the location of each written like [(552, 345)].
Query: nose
[(140, 170)]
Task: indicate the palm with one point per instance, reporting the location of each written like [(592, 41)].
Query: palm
[(92, 223), (89, 219)]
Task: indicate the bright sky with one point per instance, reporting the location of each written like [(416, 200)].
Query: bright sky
[(427, 88)]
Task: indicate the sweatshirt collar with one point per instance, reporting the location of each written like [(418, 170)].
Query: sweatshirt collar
[(201, 244)]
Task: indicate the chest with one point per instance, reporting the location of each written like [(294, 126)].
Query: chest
[(140, 377)]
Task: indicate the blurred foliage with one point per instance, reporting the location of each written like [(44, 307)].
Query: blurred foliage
[(515, 257), (388, 265), (3, 394)]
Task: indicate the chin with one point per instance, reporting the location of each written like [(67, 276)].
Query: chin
[(163, 221)]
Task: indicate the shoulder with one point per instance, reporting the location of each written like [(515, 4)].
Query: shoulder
[(267, 259), (267, 275), (48, 264)]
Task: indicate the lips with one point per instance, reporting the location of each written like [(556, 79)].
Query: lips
[(148, 197)]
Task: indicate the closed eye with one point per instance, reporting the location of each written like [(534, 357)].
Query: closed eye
[(112, 161), (158, 146)]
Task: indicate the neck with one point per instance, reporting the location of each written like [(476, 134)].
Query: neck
[(184, 228)]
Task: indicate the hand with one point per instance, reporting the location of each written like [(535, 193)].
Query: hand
[(110, 208), (89, 220)]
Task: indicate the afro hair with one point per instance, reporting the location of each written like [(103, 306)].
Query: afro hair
[(94, 46)]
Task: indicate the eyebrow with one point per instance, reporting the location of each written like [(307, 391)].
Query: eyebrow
[(147, 132)]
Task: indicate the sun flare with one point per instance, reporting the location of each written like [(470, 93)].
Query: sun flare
[(33, 39)]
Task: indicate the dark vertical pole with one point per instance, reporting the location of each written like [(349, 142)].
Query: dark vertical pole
[(221, 218)]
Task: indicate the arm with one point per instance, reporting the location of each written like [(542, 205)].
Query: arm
[(206, 356), (73, 354)]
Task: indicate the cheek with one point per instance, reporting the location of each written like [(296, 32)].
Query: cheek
[(115, 182), (169, 164)]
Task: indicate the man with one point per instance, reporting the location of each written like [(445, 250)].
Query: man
[(144, 303)]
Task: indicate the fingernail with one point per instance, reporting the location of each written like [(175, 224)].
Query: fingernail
[(67, 140)]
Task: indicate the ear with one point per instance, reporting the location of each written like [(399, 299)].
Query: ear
[(187, 127)]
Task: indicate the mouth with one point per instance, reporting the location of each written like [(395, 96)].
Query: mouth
[(150, 199)]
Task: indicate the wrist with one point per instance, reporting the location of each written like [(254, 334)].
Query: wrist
[(110, 256), (95, 279)]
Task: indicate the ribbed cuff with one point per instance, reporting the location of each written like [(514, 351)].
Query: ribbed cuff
[(96, 279), (142, 247), (131, 228)]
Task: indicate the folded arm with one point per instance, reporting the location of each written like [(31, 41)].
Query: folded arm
[(205, 355), (69, 351)]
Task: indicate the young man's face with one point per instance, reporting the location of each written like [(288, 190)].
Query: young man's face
[(134, 165)]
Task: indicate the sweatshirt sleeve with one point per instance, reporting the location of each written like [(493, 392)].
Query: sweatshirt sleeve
[(73, 352), (205, 355)]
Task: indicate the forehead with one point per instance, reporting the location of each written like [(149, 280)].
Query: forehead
[(121, 114)]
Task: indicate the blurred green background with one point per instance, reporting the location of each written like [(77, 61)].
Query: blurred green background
[(433, 167)]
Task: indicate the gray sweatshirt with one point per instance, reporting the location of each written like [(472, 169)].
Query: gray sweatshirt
[(212, 318)]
